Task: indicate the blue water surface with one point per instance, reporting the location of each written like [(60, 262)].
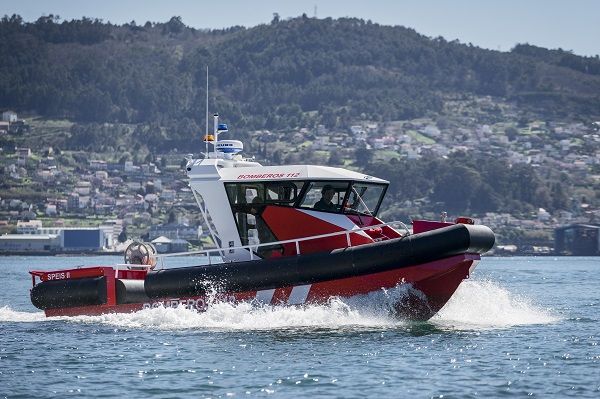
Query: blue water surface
[(520, 326)]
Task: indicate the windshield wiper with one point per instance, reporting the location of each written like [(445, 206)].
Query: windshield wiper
[(357, 196)]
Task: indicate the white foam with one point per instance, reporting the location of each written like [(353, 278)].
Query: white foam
[(9, 315), (245, 316), (475, 305), (486, 304)]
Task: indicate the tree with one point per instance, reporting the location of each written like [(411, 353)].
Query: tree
[(511, 133), (363, 156), (456, 188), (175, 25), (485, 199), (122, 235), (335, 158), (560, 199)]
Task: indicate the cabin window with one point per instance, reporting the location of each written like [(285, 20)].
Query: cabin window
[(282, 193), (248, 202), (365, 198), (327, 196)]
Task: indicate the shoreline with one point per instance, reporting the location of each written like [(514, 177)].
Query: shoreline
[(59, 253), (115, 253)]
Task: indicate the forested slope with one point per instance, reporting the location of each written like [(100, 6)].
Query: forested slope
[(271, 76)]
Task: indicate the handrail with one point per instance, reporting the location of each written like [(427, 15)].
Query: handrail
[(295, 240)]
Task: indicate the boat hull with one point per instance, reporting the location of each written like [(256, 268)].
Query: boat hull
[(433, 275), (429, 285)]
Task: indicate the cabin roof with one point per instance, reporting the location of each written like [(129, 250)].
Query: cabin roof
[(294, 172)]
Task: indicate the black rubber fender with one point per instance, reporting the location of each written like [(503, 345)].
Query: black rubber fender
[(130, 291), (313, 268), (272, 273), (69, 293)]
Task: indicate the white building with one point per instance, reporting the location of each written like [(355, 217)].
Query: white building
[(543, 215), (175, 230), (9, 116), (431, 131), (29, 242), (164, 245), (30, 227), (168, 195), (129, 167), (51, 210), (98, 164), (101, 174), (321, 143), (83, 188), (378, 144), (358, 132)]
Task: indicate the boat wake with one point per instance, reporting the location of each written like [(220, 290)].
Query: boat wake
[(486, 304), (7, 315), (475, 305)]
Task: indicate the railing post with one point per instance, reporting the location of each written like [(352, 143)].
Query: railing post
[(251, 254), (348, 243), (297, 247)]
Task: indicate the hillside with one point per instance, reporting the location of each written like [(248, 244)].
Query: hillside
[(271, 76), (511, 138)]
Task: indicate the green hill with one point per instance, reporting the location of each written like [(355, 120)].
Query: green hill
[(271, 76)]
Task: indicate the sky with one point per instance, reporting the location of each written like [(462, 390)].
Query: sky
[(498, 25)]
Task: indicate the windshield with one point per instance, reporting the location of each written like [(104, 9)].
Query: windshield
[(365, 198), (324, 196)]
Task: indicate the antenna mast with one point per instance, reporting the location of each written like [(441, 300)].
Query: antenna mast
[(206, 130)]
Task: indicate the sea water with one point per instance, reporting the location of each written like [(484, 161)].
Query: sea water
[(517, 327)]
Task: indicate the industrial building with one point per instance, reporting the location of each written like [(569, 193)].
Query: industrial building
[(82, 239), (34, 237), (577, 239), (29, 242)]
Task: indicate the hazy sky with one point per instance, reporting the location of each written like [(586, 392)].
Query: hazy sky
[(499, 25)]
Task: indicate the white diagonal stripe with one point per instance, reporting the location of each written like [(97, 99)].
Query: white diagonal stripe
[(265, 296), (299, 294), (338, 220)]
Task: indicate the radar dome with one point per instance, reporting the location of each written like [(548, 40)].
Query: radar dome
[(229, 146)]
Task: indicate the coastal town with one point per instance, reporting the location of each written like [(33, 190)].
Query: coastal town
[(73, 201)]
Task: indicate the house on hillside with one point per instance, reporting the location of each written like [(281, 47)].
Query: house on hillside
[(23, 155), (431, 131), (98, 164), (166, 245), (174, 231), (9, 116), (73, 202)]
